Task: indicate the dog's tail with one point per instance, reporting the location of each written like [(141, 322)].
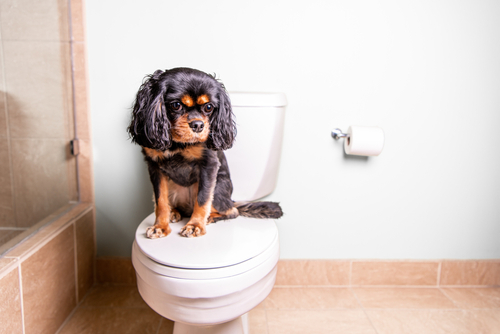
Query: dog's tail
[(259, 209)]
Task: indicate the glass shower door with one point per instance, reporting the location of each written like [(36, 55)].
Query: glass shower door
[(38, 177)]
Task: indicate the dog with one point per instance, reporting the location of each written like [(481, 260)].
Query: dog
[(183, 120)]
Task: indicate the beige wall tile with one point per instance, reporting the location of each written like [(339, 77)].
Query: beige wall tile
[(118, 270), (40, 178), (423, 298), (394, 273), (3, 113), (311, 298), (10, 304), (71, 174), (318, 322), (474, 298), (6, 200), (470, 273), (39, 89), (7, 217), (313, 272), (49, 291), (85, 246), (54, 223), (86, 172), (3, 109), (77, 20), (6, 235), (34, 20), (81, 94), (6, 265)]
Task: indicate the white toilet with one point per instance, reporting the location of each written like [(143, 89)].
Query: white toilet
[(208, 284)]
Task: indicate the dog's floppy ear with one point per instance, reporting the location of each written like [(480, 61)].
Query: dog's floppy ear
[(222, 125), (150, 126)]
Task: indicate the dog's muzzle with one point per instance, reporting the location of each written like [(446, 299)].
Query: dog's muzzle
[(196, 126)]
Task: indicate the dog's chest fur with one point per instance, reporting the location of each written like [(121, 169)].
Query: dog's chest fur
[(182, 165), (182, 171)]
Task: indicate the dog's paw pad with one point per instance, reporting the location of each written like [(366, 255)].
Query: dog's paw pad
[(155, 232), (190, 231)]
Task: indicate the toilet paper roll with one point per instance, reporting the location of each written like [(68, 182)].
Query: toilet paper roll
[(364, 140)]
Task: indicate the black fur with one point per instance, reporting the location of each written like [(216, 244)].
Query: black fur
[(166, 104), (259, 209)]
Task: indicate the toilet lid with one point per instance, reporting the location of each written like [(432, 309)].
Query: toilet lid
[(227, 243)]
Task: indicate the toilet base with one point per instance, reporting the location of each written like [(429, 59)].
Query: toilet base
[(236, 326)]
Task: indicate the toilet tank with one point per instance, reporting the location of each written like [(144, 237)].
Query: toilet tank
[(255, 156)]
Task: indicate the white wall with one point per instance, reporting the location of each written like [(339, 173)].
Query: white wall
[(427, 72)]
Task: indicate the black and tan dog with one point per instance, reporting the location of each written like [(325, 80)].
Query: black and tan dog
[(183, 120)]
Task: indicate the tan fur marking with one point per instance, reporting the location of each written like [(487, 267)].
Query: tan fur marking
[(163, 207), (161, 227), (202, 99), (216, 215), (182, 133), (201, 211), (187, 101), (193, 152), (196, 226), (153, 154)]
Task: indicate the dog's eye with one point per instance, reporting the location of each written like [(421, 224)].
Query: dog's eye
[(176, 106), (208, 108)]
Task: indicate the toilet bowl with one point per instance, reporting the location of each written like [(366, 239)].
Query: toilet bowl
[(208, 284)]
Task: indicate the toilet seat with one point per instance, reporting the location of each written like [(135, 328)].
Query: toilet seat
[(251, 243)]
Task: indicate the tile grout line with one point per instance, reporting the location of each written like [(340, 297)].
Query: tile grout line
[(450, 299), (363, 309), (267, 320), (70, 316), (21, 295)]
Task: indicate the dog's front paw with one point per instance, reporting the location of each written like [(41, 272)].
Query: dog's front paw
[(193, 229), (155, 232)]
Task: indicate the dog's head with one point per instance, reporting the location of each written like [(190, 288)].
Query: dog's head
[(182, 105)]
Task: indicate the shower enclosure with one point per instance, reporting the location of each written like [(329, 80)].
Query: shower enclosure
[(38, 164)]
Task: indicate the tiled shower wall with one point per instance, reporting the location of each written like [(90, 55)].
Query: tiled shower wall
[(37, 170), (43, 279)]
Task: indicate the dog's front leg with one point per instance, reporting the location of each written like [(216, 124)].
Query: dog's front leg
[(203, 204), (161, 227)]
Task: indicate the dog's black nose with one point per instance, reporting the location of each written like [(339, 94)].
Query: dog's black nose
[(196, 126)]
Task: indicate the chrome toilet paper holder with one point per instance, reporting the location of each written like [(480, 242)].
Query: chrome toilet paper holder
[(337, 133)]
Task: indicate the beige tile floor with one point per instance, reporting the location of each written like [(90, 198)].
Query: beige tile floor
[(307, 310)]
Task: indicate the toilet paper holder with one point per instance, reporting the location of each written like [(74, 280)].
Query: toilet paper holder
[(337, 133)]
